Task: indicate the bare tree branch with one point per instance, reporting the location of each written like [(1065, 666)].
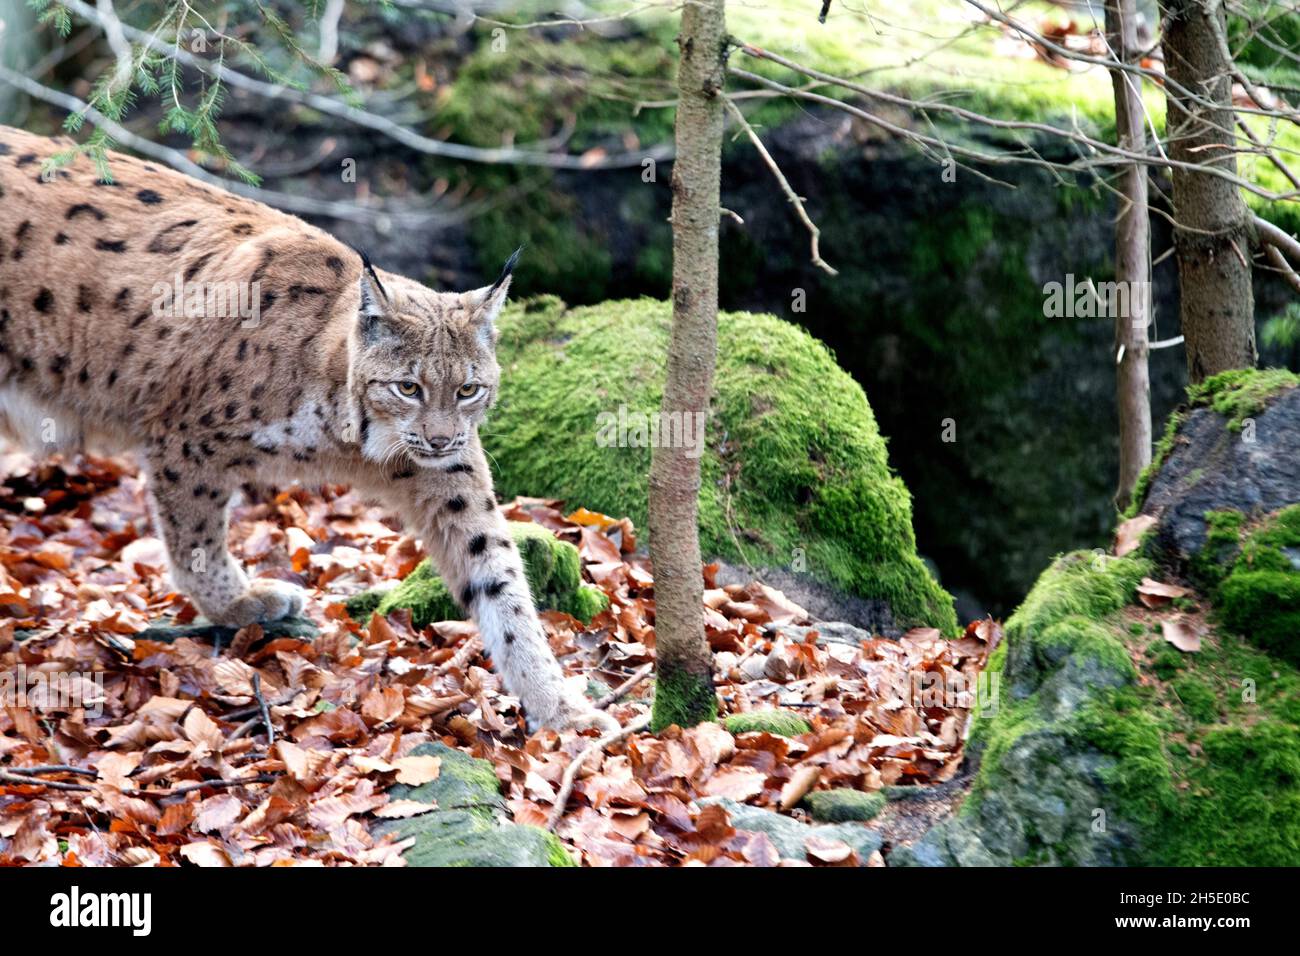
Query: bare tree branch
[(179, 161), (407, 137), (786, 188)]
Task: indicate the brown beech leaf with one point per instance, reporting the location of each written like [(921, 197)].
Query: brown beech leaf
[(1182, 635), (1129, 534), (1155, 594)]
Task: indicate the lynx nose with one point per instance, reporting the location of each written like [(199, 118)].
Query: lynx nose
[(436, 441)]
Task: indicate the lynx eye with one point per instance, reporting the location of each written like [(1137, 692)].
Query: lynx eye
[(468, 391), (408, 389)]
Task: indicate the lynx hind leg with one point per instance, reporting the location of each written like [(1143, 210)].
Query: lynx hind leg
[(191, 517), (469, 542)]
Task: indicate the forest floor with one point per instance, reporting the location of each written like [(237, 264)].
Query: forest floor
[(161, 755)]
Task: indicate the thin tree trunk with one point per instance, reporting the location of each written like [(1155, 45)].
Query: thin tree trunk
[(1213, 234), (1132, 258), (684, 681)]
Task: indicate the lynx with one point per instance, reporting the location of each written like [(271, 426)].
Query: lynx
[(225, 342)]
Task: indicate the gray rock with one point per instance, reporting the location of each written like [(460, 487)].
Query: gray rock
[(789, 836), (820, 600), (469, 828), (1212, 469), (828, 632)]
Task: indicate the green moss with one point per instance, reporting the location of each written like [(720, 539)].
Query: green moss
[(552, 567), (425, 595), (1222, 544), (780, 722), (1118, 724), (469, 827), (1241, 393), (362, 606), (1198, 762), (1078, 585), (682, 698), (1164, 659), (1197, 698), (1260, 598), (843, 806), (1093, 643), (795, 472)]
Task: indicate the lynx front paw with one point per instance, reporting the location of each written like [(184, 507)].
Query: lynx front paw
[(265, 600), (576, 714)]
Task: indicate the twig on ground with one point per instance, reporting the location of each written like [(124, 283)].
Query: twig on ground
[(253, 709), (571, 771), (621, 691), (55, 768), (9, 777), (266, 711)]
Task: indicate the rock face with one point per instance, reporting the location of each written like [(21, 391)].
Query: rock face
[(795, 471), (469, 828), (1235, 450), (1042, 777), (1108, 745)]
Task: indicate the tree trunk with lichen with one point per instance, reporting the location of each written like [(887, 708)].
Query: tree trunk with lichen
[(684, 679), (1132, 258), (1213, 232)]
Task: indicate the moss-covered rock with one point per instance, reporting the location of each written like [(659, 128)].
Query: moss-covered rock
[(780, 722), (469, 827), (1260, 596), (795, 472), (1110, 747), (842, 805), (552, 567)]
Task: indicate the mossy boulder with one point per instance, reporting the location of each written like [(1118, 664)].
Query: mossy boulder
[(1223, 488), (1229, 448), (1259, 596), (842, 805), (469, 828), (780, 722), (795, 472), (552, 567), (1103, 745)]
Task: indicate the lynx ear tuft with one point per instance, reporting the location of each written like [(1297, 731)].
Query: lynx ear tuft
[(485, 303), (374, 297), (372, 313)]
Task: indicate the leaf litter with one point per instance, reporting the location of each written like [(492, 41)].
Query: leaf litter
[(159, 757)]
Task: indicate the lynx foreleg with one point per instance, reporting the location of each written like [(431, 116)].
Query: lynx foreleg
[(469, 543)]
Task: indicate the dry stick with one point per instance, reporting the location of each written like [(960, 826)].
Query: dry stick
[(55, 768), (790, 194), (621, 691), (253, 709), (266, 711), (192, 787), (7, 777), (1282, 266), (571, 771)]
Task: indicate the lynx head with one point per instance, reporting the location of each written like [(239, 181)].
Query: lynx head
[(423, 367)]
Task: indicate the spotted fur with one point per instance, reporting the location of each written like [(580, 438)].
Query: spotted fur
[(349, 375)]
